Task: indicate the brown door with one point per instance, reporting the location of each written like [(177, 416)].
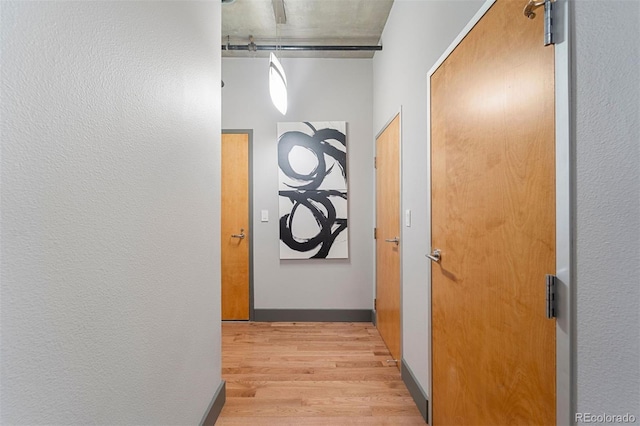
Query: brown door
[(235, 226), (493, 218), (388, 235)]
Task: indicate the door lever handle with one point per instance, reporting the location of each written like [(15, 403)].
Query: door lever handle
[(435, 256), (240, 235), (393, 240)]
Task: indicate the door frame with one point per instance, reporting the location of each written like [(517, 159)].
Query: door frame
[(396, 113), (565, 213), (249, 133)]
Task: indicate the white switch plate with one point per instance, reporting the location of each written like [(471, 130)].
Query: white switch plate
[(264, 215), (407, 218)]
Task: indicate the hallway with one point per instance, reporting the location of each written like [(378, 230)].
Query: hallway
[(311, 374)]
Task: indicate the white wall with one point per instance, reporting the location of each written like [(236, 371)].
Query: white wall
[(110, 212), (416, 34), (607, 148), (319, 90)]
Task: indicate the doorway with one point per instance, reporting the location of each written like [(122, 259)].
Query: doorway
[(493, 224), (387, 235), (236, 232)]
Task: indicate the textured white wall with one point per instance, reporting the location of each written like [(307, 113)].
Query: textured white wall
[(607, 114), (319, 90), (416, 34), (110, 212)]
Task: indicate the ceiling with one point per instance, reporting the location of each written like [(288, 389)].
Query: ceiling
[(308, 22)]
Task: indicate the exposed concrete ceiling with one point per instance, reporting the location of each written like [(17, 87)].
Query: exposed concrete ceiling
[(308, 22)]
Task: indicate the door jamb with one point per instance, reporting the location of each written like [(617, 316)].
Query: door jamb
[(248, 132), (565, 215)]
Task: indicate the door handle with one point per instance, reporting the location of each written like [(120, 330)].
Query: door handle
[(393, 240), (435, 256), (240, 235)]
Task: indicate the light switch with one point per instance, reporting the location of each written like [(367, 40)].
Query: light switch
[(264, 215), (407, 218)]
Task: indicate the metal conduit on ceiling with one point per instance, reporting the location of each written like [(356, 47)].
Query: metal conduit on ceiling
[(274, 47)]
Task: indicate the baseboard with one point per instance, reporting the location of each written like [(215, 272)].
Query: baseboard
[(215, 407), (312, 315), (418, 395), (374, 317)]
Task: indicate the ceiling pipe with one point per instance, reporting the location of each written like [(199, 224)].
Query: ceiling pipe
[(254, 47)]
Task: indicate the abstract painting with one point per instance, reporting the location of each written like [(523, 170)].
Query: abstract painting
[(312, 163)]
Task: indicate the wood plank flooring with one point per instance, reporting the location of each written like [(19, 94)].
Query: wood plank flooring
[(311, 374)]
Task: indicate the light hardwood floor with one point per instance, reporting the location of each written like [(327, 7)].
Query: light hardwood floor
[(311, 374)]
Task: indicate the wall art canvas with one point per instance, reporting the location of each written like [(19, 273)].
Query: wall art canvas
[(312, 164)]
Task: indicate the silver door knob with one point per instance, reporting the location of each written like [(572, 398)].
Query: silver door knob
[(393, 240), (435, 256), (240, 235)]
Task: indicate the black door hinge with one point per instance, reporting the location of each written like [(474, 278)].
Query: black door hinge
[(551, 282)]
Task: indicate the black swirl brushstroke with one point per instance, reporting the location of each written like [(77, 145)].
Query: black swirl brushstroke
[(318, 145), (329, 226)]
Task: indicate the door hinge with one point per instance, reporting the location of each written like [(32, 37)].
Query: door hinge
[(548, 18), (551, 281), (375, 233), (375, 304), (375, 162), (548, 23)]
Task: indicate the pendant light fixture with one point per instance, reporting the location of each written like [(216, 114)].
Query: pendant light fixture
[(277, 77), (277, 84)]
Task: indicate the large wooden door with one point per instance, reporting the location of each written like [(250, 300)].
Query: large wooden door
[(388, 230), (493, 218), (235, 231)]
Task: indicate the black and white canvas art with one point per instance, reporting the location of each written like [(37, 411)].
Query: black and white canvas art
[(312, 163)]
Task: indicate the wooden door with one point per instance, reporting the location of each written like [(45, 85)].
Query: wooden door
[(235, 231), (493, 218), (388, 228)]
